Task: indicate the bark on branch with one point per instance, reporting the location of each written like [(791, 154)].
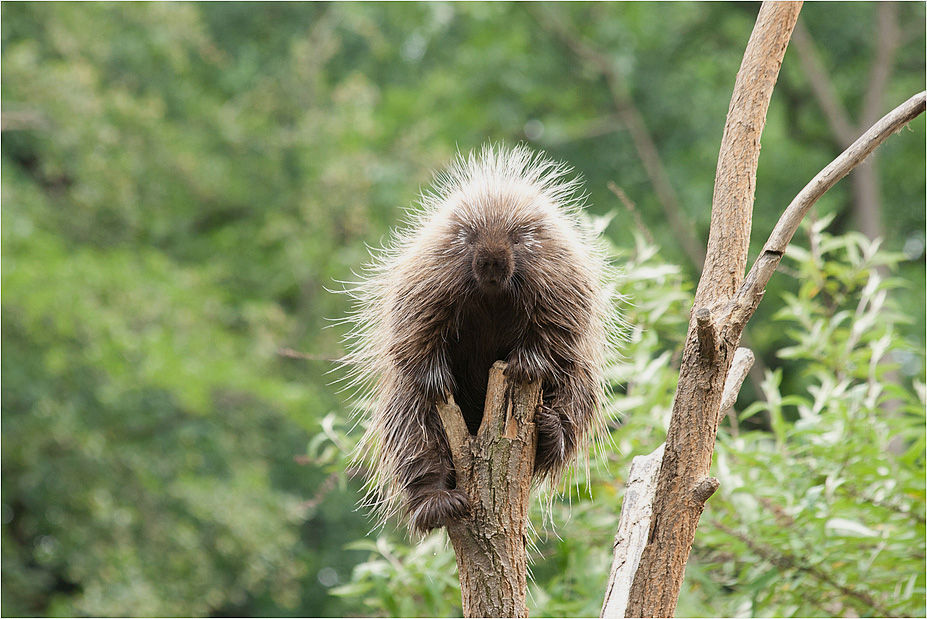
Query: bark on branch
[(684, 484), (494, 468)]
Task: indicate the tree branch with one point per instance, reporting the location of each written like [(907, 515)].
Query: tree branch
[(684, 483), (633, 528), (724, 302), (837, 117), (743, 361), (751, 292), (866, 200), (735, 180), (632, 120)]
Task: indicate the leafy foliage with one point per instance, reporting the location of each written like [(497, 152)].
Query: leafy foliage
[(183, 183), (825, 515)]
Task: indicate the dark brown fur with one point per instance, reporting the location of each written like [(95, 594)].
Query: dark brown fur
[(496, 268)]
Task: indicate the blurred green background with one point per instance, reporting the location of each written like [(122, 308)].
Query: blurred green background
[(184, 184)]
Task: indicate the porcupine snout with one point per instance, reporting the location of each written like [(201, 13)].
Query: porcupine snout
[(493, 265)]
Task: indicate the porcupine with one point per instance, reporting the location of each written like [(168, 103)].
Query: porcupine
[(493, 266)]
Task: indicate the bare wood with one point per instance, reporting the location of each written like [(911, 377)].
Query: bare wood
[(637, 507), (633, 528), (743, 361), (735, 179), (684, 483), (705, 331), (494, 468), (456, 430), (733, 318), (712, 372)]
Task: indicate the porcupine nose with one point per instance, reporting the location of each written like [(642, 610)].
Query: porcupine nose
[(493, 266)]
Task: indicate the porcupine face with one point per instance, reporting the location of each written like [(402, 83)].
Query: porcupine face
[(496, 249), (493, 260)]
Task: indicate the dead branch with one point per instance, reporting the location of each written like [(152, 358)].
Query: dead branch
[(683, 483), (633, 528), (743, 361), (637, 507)]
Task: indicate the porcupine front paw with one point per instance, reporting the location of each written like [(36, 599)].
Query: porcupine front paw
[(521, 367), (436, 508), (551, 451)]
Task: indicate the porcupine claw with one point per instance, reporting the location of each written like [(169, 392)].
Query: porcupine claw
[(438, 508), (519, 368)]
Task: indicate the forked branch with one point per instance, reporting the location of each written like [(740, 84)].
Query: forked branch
[(725, 302), (744, 304), (494, 468)]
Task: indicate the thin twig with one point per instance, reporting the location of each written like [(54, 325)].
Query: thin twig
[(784, 560), (633, 121), (631, 208)]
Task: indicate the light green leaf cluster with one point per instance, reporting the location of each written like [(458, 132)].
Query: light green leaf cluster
[(825, 514)]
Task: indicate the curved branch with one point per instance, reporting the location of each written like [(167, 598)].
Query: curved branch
[(752, 290)]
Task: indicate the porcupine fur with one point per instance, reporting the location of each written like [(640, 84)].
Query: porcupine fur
[(494, 265)]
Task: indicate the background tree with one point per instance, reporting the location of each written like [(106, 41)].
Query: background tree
[(181, 183)]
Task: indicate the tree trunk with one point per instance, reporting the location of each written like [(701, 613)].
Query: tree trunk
[(494, 468), (684, 484)]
